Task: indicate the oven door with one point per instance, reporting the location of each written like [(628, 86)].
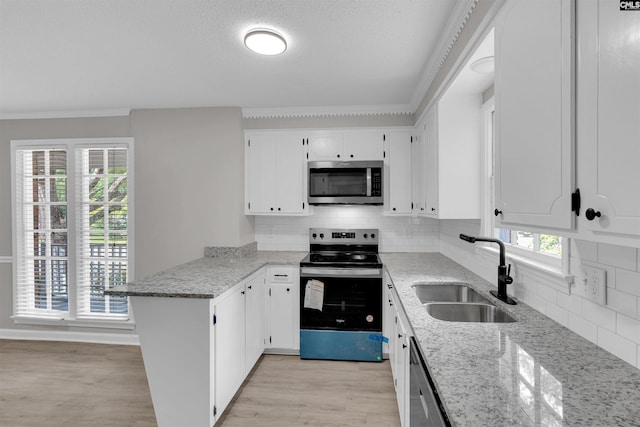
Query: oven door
[(341, 300), (341, 314)]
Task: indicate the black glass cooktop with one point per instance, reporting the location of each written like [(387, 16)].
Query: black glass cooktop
[(346, 259)]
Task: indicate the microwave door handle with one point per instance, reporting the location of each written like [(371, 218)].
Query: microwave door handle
[(369, 182)]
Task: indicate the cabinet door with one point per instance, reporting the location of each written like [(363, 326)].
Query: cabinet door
[(417, 172), (254, 319), (290, 175), (325, 147), (430, 127), (261, 173), (229, 332), (402, 369), (282, 315), (389, 322), (609, 117), (363, 145), (534, 113), (400, 172)]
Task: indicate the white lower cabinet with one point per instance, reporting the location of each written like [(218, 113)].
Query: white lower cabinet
[(283, 312), (254, 320), (230, 346), (396, 329), (401, 377)]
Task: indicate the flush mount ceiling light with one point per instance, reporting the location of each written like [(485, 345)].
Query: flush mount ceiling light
[(265, 42), (483, 65)]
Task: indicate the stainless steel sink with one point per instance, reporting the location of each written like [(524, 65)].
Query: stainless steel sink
[(447, 292), (468, 312)]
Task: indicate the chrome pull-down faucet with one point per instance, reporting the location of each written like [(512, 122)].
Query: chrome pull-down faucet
[(503, 273)]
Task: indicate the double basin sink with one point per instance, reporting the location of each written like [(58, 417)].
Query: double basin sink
[(458, 302)]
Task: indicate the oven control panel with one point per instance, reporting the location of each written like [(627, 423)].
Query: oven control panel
[(340, 236)]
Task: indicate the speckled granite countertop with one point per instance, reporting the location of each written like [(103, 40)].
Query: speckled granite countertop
[(206, 277), (533, 372)]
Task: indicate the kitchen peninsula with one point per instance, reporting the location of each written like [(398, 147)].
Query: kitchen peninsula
[(531, 372)]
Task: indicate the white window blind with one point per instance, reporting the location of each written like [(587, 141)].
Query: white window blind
[(41, 215), (72, 240), (101, 230)]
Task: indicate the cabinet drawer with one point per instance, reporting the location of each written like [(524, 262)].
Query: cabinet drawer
[(280, 274)]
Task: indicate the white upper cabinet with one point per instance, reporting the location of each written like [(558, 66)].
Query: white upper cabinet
[(429, 127), (609, 118), (452, 147), (275, 174), (417, 173), (398, 157), (325, 146), (534, 113), (346, 145)]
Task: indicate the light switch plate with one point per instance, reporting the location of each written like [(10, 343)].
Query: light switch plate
[(595, 284)]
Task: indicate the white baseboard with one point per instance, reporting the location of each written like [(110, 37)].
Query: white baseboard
[(282, 351), (69, 336)]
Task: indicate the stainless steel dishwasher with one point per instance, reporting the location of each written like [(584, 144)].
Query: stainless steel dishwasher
[(425, 408)]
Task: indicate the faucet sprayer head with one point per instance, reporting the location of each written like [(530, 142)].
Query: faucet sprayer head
[(468, 238)]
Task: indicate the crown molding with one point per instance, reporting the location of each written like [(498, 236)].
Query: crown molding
[(71, 114), (326, 111), (455, 24)]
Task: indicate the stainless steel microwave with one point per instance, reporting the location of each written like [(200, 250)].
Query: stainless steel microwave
[(345, 183)]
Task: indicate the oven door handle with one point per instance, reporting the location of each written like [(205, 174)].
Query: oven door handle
[(340, 272)]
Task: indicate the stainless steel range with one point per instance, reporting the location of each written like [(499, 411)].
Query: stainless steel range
[(341, 296)]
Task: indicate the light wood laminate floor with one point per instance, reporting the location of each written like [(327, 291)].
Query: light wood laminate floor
[(288, 391), (59, 384)]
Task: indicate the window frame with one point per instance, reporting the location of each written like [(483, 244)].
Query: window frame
[(72, 317)]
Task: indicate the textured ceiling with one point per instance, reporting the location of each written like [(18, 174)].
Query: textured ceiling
[(70, 55)]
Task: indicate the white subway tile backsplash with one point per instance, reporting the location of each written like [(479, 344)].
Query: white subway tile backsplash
[(622, 302), (604, 317), (584, 250), (628, 328), (572, 302), (583, 327), (397, 233), (558, 313), (628, 281), (617, 256), (615, 344), (536, 302), (547, 292)]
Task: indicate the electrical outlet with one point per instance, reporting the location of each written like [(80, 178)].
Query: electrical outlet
[(595, 284)]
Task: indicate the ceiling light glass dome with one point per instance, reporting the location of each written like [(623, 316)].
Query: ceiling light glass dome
[(265, 42)]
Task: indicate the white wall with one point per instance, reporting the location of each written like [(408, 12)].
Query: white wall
[(189, 184), (397, 233), (614, 327), (189, 175)]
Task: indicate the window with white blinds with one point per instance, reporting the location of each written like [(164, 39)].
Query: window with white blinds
[(73, 219)]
